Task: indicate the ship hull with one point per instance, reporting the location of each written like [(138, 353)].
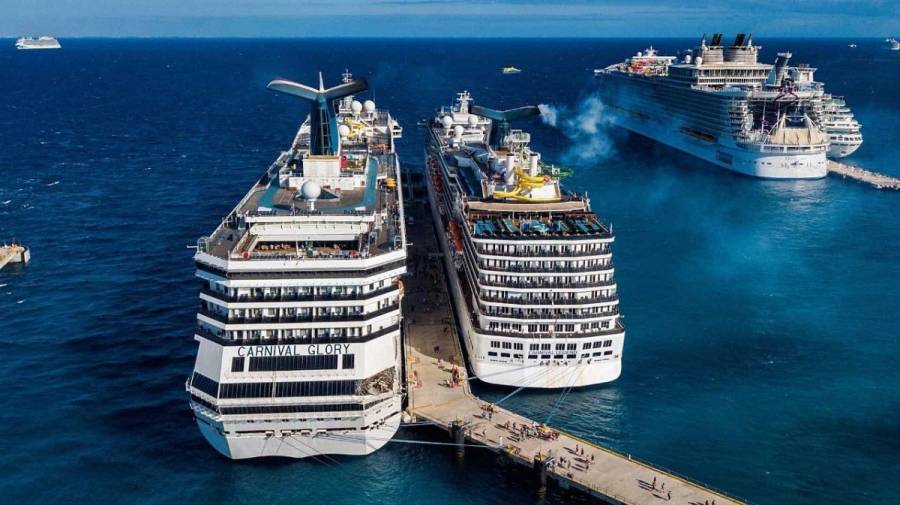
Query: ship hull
[(300, 445), (539, 376)]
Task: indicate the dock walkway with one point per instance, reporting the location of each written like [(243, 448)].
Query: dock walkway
[(433, 355), (880, 181)]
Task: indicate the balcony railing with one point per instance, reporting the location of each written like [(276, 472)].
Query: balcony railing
[(298, 318), (546, 285), (546, 302), (296, 297), (543, 254), (223, 339), (618, 328), (551, 269), (548, 316)]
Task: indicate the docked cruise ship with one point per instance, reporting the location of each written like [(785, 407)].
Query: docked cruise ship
[(843, 129), (723, 106), (530, 266), (299, 319), (44, 42)]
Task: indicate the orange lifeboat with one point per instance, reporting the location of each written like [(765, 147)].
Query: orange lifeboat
[(456, 236)]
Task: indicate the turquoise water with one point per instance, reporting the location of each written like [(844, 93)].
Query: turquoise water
[(762, 344)]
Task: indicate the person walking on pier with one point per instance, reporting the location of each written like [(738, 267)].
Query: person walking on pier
[(669, 496), (653, 484)]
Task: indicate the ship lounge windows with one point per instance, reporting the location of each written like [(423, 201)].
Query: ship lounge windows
[(237, 364), (205, 384), (290, 363)]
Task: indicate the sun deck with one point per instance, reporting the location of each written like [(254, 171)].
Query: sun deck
[(275, 221)]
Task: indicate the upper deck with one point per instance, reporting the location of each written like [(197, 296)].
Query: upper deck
[(325, 207)]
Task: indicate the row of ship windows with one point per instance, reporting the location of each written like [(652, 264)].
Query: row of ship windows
[(551, 356), (515, 280), (293, 363), (296, 333), (549, 313), (547, 297), (286, 409), (281, 389), (295, 312), (544, 265), (531, 250), (518, 346), (296, 292), (546, 328)]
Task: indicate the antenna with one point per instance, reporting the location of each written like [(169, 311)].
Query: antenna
[(500, 120), (323, 129)]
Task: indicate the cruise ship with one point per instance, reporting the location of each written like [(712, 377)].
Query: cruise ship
[(44, 42), (530, 267), (298, 327), (722, 105), (843, 130)]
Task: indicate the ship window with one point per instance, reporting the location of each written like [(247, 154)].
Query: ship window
[(598, 353), (545, 347), (237, 364), (586, 345), (607, 353), (316, 388), (504, 354), (532, 356), (348, 361), (545, 356), (495, 345), (586, 355), (284, 363), (607, 343), (571, 347), (571, 356), (557, 356), (246, 390), (507, 345), (533, 347), (205, 384), (518, 347), (492, 353)]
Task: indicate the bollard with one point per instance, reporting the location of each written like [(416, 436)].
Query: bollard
[(459, 437)]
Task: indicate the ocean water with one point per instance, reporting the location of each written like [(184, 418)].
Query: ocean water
[(762, 317)]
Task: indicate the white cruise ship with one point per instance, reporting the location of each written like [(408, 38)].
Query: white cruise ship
[(723, 106), (844, 131), (44, 42), (530, 267), (299, 320)]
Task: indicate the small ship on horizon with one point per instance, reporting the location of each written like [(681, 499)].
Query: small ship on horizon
[(43, 42)]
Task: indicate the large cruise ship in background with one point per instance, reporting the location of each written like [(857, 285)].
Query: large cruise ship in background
[(723, 106), (44, 42), (530, 266), (299, 320)]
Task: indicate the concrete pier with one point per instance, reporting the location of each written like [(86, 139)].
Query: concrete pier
[(13, 254), (438, 392), (880, 181)]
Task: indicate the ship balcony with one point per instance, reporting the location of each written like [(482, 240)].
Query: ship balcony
[(315, 336), (296, 296), (342, 316), (545, 283), (615, 330), (520, 254), (547, 314), (520, 301), (545, 269)]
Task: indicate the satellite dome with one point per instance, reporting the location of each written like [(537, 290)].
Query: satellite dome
[(355, 106), (458, 130), (447, 121), (369, 105), (344, 131), (473, 120), (311, 190)]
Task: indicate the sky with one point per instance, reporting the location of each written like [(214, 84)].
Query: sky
[(454, 18)]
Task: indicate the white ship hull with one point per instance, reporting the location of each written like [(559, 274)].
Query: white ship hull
[(755, 164), (549, 375), (29, 48), (301, 445), (842, 150)]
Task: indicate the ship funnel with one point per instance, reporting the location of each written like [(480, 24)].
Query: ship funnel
[(778, 70), (323, 128), (500, 120)]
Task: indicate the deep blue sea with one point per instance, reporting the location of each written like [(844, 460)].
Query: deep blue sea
[(762, 353)]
